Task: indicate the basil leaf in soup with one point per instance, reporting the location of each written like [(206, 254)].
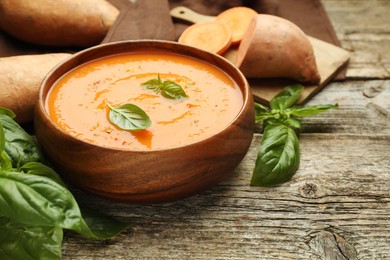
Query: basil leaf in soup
[(172, 90), (129, 117), (168, 89), (153, 84)]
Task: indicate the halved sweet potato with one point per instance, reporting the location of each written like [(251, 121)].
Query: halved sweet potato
[(276, 47)]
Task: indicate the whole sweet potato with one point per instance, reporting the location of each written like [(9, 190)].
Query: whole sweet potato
[(276, 47), (80, 23), (20, 80)]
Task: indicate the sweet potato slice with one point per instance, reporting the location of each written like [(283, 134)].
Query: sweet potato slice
[(237, 19), (276, 47), (57, 22), (211, 36)]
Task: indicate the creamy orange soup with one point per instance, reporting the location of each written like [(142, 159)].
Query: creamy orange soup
[(78, 101)]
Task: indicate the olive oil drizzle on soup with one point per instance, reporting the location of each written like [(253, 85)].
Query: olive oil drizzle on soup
[(78, 101)]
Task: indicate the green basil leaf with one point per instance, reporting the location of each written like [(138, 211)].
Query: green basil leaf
[(270, 121), (294, 123), (172, 90), (129, 117), (278, 158), (20, 147), (103, 227), (26, 242), (35, 200), (40, 169), (5, 162), (168, 89), (301, 111), (287, 97), (7, 112), (262, 113), (2, 138), (260, 109), (153, 84)]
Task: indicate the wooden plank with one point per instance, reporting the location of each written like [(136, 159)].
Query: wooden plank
[(363, 29), (364, 108), (337, 206)]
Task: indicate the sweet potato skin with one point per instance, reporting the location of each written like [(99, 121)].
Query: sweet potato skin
[(275, 47), (80, 23), (20, 80)]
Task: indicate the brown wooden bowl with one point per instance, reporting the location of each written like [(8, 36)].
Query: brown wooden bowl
[(145, 176)]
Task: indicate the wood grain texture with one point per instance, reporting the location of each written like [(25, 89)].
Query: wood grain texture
[(363, 29), (337, 206), (364, 108)]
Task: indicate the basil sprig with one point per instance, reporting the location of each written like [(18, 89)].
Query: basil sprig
[(167, 88), (129, 117), (35, 204), (279, 155)]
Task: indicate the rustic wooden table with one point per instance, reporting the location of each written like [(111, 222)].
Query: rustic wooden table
[(337, 206)]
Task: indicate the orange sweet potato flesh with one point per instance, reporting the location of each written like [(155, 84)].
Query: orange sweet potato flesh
[(212, 36), (237, 19), (80, 23), (20, 80), (274, 47)]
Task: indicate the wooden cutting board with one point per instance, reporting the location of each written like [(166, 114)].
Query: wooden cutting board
[(329, 58)]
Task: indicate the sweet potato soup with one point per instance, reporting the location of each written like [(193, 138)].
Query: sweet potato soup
[(79, 102)]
